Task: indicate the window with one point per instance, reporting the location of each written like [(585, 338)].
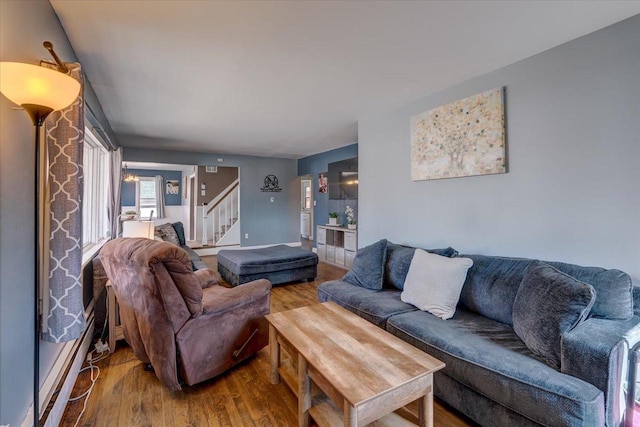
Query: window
[(306, 194), (95, 225), (147, 197)]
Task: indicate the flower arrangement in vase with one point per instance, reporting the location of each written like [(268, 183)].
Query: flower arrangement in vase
[(333, 218), (351, 218)]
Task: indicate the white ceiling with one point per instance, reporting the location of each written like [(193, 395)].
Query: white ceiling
[(292, 78), (185, 169)]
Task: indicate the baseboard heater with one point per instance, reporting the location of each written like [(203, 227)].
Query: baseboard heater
[(57, 387)]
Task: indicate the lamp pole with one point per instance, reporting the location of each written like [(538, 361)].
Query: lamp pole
[(38, 115)]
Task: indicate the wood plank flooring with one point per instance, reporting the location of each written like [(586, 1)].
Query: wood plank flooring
[(126, 395)]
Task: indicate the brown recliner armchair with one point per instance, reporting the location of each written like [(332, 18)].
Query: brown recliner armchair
[(181, 322)]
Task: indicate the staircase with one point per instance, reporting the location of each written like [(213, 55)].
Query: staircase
[(220, 218)]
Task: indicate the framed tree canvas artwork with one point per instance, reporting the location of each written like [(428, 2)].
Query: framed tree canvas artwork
[(462, 138)]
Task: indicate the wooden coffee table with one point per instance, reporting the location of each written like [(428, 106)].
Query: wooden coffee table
[(347, 371)]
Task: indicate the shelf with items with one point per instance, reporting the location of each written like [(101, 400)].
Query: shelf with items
[(337, 245)]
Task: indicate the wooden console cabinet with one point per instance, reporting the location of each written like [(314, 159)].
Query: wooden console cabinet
[(337, 245)]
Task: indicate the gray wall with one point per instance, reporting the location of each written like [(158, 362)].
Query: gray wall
[(23, 27), (573, 188), (266, 222)]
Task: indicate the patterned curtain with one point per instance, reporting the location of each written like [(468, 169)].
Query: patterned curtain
[(64, 142), (159, 197), (115, 183)]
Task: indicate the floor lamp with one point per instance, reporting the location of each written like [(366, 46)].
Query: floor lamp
[(39, 91)]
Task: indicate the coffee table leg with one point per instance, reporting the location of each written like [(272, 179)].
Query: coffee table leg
[(304, 392), (350, 415), (274, 351), (425, 410)]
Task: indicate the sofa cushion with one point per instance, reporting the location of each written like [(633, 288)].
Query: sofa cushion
[(488, 357), (167, 233), (179, 228), (196, 261), (492, 284), (614, 289), (548, 304), (367, 270), (374, 306), (399, 259), (434, 283)]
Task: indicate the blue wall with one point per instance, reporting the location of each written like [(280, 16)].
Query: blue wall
[(128, 196), (265, 222), (316, 164)]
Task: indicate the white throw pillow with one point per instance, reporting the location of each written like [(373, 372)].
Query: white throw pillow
[(434, 283)]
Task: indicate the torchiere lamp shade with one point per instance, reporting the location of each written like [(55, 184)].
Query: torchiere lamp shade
[(27, 84), (138, 229)]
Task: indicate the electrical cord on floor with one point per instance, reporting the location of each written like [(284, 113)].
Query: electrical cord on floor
[(87, 393), (104, 328)]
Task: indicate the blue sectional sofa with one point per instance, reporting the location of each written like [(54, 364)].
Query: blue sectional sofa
[(491, 375)]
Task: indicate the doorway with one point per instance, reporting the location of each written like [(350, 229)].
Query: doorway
[(191, 202), (306, 212)]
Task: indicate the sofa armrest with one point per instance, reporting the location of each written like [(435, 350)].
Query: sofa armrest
[(596, 351), (636, 300)]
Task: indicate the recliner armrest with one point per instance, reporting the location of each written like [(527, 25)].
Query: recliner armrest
[(218, 299), (596, 351), (207, 277)]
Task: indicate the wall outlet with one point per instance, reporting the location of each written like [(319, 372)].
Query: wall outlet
[(101, 347), (314, 203), (246, 235), (220, 159), (273, 199)]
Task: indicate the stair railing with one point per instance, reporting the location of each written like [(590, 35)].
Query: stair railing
[(221, 213)]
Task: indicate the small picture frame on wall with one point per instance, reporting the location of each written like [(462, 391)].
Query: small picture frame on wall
[(322, 182), (173, 186)]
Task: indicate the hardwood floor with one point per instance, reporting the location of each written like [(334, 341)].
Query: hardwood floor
[(126, 395)]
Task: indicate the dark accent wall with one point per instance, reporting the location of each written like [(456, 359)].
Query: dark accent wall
[(319, 163), (128, 195), (214, 182)]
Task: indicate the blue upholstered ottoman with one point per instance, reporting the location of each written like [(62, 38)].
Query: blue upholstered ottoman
[(278, 264)]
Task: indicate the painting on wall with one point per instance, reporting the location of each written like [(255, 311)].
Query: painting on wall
[(322, 182), (463, 138), (173, 186)]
